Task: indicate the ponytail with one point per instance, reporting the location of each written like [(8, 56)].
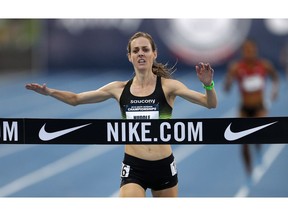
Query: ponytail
[(162, 70)]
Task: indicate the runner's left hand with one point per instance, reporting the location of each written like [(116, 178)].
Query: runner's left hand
[(205, 73)]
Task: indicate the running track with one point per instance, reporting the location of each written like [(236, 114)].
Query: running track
[(93, 170)]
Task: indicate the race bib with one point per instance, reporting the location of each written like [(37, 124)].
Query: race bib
[(125, 170), (139, 111)]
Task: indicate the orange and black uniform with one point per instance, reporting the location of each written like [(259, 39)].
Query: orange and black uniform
[(251, 80)]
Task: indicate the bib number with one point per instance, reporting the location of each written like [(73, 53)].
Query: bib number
[(125, 170), (142, 111)]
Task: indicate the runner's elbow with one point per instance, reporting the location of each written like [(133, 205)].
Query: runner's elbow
[(212, 106), (73, 101)]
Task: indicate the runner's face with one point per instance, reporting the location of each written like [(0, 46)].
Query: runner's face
[(142, 55), (249, 51)]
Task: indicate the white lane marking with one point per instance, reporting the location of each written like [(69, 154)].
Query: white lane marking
[(54, 168), (259, 171), (11, 149)]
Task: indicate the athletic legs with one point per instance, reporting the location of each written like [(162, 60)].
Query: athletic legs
[(132, 190), (135, 190)]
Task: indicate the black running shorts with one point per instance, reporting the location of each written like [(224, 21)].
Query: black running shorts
[(156, 175)]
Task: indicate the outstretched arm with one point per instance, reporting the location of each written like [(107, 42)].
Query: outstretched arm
[(205, 73), (108, 91)]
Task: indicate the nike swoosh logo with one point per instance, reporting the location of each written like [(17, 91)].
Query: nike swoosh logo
[(46, 136), (231, 136)]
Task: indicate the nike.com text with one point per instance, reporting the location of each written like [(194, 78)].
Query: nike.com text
[(142, 132)]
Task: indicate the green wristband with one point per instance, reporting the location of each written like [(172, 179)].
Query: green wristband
[(210, 87)]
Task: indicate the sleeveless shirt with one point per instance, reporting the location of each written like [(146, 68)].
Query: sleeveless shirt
[(153, 106)]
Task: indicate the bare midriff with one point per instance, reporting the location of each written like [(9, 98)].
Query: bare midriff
[(252, 99), (149, 152)]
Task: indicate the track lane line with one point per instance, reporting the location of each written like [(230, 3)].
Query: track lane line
[(54, 168), (12, 149), (260, 170)]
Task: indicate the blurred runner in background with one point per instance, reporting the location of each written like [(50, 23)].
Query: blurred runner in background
[(251, 71)]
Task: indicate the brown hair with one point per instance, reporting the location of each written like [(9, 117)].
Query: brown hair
[(158, 69)]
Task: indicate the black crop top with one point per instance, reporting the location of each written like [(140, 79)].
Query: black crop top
[(153, 106)]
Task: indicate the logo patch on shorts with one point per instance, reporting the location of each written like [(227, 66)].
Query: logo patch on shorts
[(173, 168)]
